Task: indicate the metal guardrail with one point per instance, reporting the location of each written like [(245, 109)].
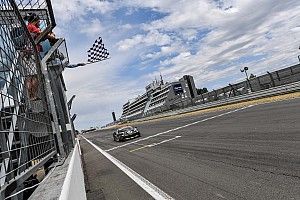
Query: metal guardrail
[(283, 89)]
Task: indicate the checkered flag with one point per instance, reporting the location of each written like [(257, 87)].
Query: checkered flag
[(97, 52)]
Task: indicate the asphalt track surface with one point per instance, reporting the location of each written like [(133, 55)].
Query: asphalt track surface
[(249, 153)]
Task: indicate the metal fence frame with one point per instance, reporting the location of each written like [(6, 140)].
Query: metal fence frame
[(33, 132)]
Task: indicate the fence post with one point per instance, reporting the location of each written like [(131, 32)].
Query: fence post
[(216, 95), (272, 79), (278, 77), (292, 72), (259, 83), (224, 93), (50, 99), (232, 89)]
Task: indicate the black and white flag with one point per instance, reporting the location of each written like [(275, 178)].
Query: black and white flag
[(97, 52)]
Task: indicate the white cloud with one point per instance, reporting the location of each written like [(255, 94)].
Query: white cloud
[(127, 26), (92, 28), (241, 32), (130, 43), (67, 10), (101, 89), (232, 32), (167, 49), (152, 38), (189, 34)]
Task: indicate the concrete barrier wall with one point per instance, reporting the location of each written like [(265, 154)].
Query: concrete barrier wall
[(273, 79), (73, 187)]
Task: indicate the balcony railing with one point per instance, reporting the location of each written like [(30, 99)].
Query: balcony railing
[(57, 55), (41, 8)]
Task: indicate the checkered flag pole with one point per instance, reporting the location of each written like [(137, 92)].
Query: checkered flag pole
[(97, 52)]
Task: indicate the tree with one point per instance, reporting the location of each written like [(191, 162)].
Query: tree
[(201, 90)]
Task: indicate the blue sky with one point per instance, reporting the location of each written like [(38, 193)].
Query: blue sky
[(208, 39)]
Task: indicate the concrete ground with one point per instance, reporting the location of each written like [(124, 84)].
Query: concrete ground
[(248, 153)]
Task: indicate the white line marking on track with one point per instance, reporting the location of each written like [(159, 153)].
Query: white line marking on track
[(139, 144), (150, 188), (178, 128), (143, 147), (219, 195), (164, 141), (155, 144)]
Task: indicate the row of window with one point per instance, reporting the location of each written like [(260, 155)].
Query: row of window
[(130, 107), (138, 103), (138, 111), (161, 96), (157, 102)]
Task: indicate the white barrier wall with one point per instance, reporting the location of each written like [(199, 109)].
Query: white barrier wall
[(73, 187)]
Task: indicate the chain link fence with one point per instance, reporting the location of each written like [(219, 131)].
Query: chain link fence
[(33, 126)]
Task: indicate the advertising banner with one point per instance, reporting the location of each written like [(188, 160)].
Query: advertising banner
[(178, 88)]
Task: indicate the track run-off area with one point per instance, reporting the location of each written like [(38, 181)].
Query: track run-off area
[(251, 152)]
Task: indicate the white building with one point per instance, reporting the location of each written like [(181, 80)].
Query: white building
[(160, 96)]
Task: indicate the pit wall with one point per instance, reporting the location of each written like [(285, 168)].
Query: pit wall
[(73, 187)]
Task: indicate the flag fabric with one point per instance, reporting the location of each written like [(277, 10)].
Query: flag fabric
[(97, 52)]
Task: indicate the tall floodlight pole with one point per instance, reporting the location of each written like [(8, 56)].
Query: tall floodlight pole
[(247, 78)]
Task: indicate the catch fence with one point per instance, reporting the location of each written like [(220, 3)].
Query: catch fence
[(33, 124)]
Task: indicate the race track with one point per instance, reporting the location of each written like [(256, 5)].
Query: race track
[(247, 153)]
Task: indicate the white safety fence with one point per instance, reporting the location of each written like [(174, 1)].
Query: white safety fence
[(73, 187)]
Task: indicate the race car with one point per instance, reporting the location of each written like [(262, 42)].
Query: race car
[(126, 132)]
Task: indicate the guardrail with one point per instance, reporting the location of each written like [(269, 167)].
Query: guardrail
[(288, 88), (73, 187)]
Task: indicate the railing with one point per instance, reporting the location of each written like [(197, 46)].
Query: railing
[(57, 56), (43, 9), (277, 78), (53, 65), (26, 131), (32, 130), (292, 87)]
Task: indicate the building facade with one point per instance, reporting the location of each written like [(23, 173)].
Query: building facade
[(161, 96)]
